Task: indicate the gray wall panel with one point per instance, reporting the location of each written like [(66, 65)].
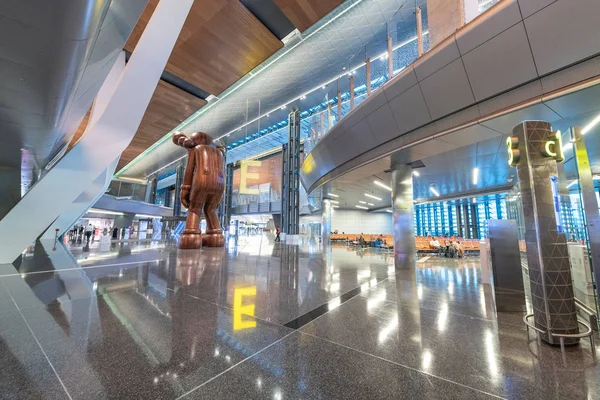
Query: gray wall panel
[(529, 7), (564, 32), (510, 98), (401, 83), (410, 110), (502, 16), (447, 90), (500, 63), (457, 119), (383, 125), (568, 76), (434, 60)]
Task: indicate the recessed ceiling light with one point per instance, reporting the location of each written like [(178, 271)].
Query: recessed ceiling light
[(303, 97), (283, 107), (361, 207), (371, 204), (390, 211), (381, 184), (475, 176), (362, 202), (324, 87), (434, 191), (373, 197), (332, 195), (416, 173)]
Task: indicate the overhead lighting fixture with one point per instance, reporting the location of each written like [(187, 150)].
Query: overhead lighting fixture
[(434, 191), (591, 125), (283, 107), (147, 216), (362, 202), (373, 197), (416, 173), (268, 115), (303, 97), (390, 211), (97, 211), (475, 176), (572, 183), (370, 204), (332, 195), (361, 207), (324, 87), (381, 184), (334, 201)]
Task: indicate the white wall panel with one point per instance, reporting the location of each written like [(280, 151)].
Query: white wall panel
[(350, 221)]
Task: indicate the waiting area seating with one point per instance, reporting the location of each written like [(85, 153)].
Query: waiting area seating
[(423, 243)]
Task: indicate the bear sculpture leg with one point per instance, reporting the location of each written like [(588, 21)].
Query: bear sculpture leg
[(214, 233), (191, 238)]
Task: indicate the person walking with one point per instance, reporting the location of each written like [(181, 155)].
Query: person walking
[(277, 233), (89, 230)]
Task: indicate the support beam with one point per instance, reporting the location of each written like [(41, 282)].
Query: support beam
[(368, 75), (390, 59), (419, 32), (103, 141), (339, 106), (351, 92)]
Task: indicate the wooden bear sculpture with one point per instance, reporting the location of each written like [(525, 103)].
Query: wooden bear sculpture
[(202, 190)]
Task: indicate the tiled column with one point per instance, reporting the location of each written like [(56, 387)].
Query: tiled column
[(325, 222), (547, 255), (402, 207)]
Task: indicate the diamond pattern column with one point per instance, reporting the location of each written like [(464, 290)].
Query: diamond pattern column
[(547, 255)]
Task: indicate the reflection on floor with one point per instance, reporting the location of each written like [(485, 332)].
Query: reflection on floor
[(259, 320)]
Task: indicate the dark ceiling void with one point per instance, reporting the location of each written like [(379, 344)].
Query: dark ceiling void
[(267, 12), (179, 83)]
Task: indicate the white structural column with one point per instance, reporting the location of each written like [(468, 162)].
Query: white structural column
[(104, 141), (403, 220), (95, 190)]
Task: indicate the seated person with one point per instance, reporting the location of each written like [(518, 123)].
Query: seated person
[(378, 242), (435, 243), (460, 250), (362, 241)]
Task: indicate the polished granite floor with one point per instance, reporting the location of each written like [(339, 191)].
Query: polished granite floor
[(258, 320)]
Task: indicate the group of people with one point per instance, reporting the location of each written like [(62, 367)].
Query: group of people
[(77, 233), (379, 242), (450, 248)]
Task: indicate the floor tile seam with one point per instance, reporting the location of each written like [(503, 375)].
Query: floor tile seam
[(235, 365), (327, 312), (79, 268), (43, 351), (405, 366), (453, 313), (231, 309)]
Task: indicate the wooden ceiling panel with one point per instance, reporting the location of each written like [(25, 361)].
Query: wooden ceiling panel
[(304, 13), (168, 107), (220, 42)]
